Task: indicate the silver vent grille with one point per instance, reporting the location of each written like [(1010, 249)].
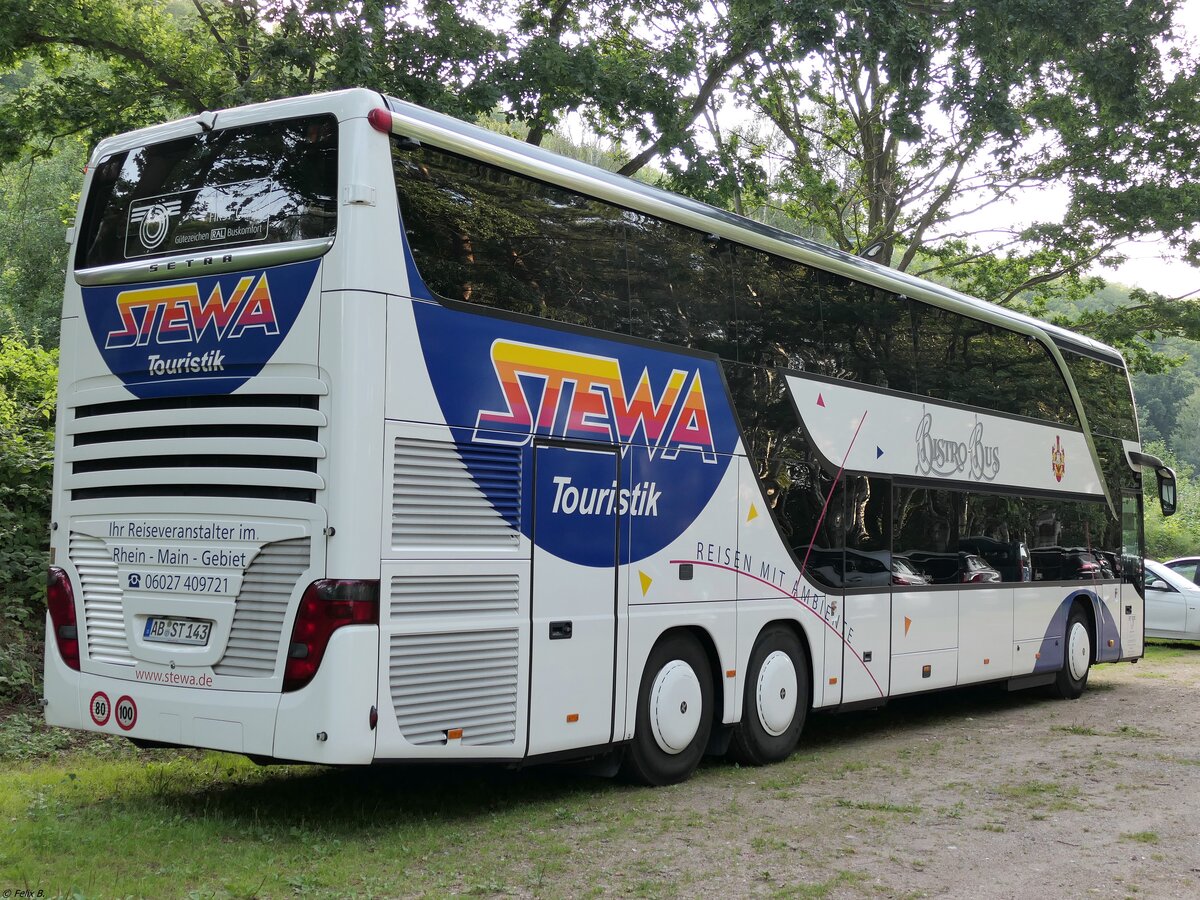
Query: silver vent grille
[(103, 613), (262, 604), (416, 595), (445, 497), (467, 680), (264, 446)]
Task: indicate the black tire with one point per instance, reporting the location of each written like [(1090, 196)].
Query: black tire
[(1077, 656), (756, 739), (670, 669)]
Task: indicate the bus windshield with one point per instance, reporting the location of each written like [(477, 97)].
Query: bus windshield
[(254, 185)]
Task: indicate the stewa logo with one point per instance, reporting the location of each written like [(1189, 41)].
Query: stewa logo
[(153, 220), (175, 314), (206, 334), (561, 393)]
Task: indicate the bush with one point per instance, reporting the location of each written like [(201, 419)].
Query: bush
[(28, 377)]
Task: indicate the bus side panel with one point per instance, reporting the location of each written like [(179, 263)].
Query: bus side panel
[(985, 633), (770, 589), (1130, 609), (924, 640), (868, 647)]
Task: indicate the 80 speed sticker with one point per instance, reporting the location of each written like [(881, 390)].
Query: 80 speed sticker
[(100, 708)]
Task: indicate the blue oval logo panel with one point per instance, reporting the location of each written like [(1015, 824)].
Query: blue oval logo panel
[(502, 382), (203, 336)]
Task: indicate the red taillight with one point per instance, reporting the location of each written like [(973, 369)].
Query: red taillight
[(325, 607), (380, 119), (900, 579), (60, 601)]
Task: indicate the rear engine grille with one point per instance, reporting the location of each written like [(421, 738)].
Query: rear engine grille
[(103, 613), (262, 603), (417, 595), (452, 498), (245, 445), (468, 680)]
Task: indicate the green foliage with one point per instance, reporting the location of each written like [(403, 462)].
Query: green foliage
[(25, 736), (37, 203), (1180, 534), (28, 376)]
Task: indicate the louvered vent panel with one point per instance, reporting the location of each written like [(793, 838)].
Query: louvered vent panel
[(263, 446), (418, 595), (267, 586), (445, 497), (465, 680), (103, 612)]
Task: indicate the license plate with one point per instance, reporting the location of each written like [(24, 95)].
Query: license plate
[(177, 631)]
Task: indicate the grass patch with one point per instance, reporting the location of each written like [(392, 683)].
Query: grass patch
[(1156, 651), (213, 824), (820, 889), (876, 807), (1076, 729), (1141, 837), (1048, 795), (1132, 731)]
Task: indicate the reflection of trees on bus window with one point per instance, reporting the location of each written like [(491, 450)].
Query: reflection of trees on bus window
[(486, 236), (265, 183)]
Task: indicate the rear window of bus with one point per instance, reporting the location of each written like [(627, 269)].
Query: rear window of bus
[(268, 183)]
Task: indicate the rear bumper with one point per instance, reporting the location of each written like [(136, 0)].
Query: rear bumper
[(337, 705)]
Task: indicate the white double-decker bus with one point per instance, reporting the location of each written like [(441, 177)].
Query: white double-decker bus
[(385, 438)]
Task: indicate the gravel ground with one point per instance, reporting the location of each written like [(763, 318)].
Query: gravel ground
[(977, 793)]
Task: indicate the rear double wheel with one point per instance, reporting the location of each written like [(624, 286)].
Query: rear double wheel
[(775, 704), (674, 713)]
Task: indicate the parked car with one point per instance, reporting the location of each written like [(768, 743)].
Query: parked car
[(1009, 558), (905, 573), (953, 568), (1172, 604), (1069, 564), (1187, 566)]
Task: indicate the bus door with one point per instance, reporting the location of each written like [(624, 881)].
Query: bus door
[(577, 508)]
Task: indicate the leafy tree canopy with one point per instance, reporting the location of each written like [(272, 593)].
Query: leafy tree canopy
[(888, 119)]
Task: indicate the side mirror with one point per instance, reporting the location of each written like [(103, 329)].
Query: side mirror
[(1166, 490)]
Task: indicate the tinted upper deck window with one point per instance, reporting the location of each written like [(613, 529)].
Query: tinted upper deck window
[(267, 183)]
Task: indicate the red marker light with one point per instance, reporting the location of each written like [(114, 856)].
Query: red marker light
[(380, 119)]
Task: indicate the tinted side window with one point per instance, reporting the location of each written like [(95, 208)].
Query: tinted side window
[(679, 285), (965, 360), (1106, 396), (927, 531), (482, 235)]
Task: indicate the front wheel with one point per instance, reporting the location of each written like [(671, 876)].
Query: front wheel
[(674, 713), (776, 699), (1072, 677)]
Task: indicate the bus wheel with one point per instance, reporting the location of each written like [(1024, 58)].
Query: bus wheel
[(776, 700), (674, 713), (1072, 677)]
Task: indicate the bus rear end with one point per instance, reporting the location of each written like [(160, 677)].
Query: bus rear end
[(197, 595)]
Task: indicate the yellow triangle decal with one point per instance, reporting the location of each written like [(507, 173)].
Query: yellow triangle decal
[(907, 625), (646, 582), (753, 513)]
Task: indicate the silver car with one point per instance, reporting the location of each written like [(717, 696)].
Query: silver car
[(1172, 604)]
